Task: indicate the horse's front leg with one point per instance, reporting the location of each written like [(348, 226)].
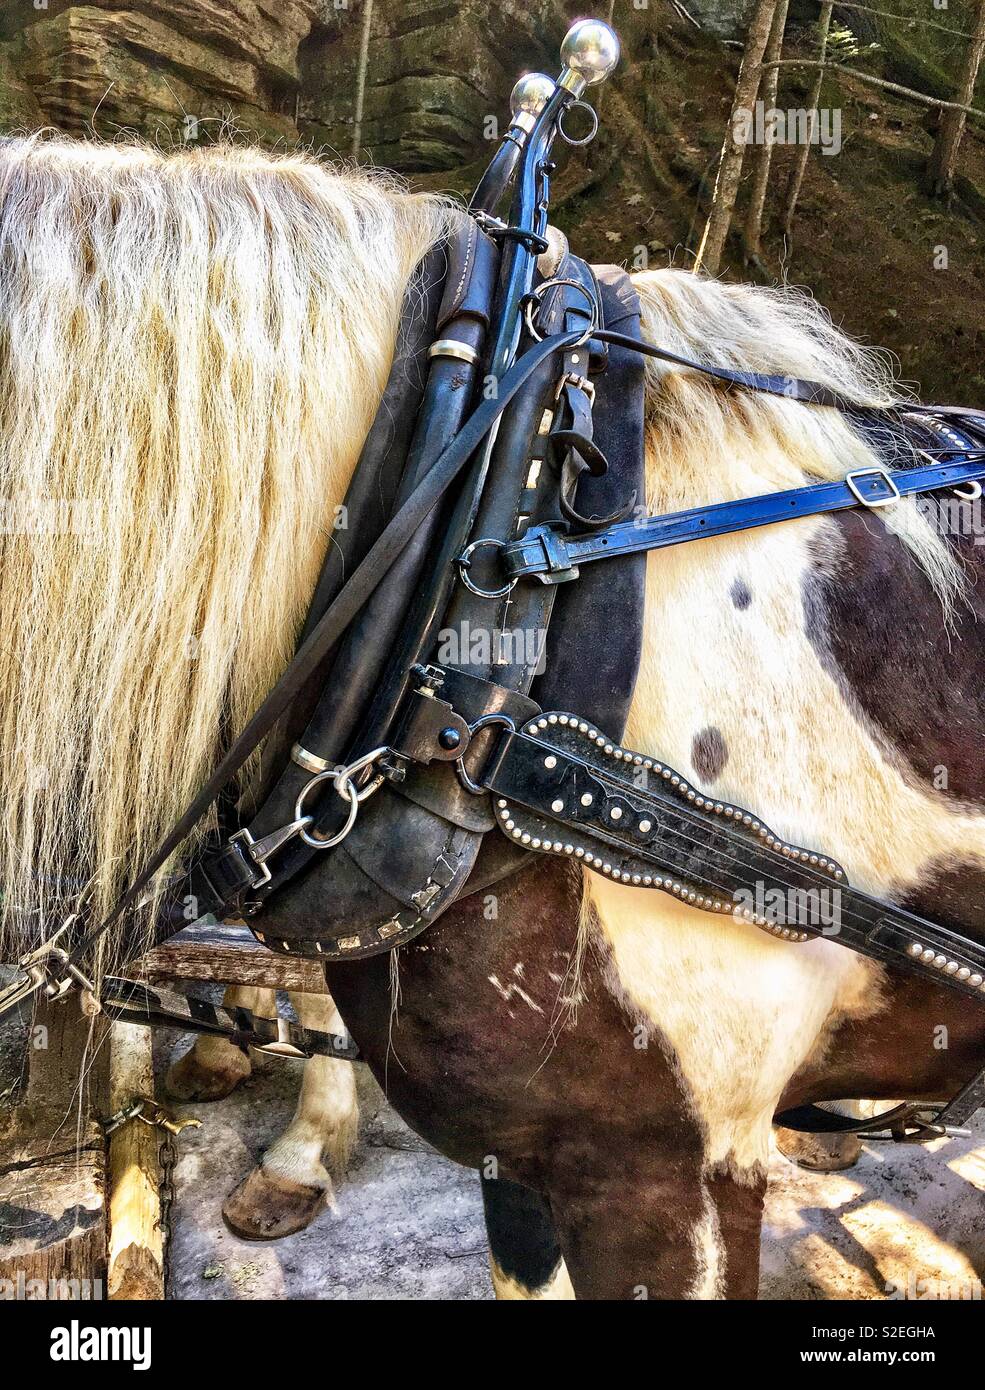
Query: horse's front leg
[(642, 1220), (291, 1184), (214, 1066)]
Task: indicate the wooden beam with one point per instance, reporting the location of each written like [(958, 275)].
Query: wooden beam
[(136, 1245), (52, 1162), (229, 955)]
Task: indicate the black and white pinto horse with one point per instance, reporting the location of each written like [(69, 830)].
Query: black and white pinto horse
[(198, 342)]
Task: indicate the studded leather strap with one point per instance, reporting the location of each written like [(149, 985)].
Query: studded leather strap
[(561, 787)]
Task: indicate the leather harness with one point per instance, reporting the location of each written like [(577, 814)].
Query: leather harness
[(518, 373)]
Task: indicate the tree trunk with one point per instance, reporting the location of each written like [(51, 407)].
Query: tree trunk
[(357, 119), (52, 1161), (803, 154), (764, 153), (733, 149), (948, 142)]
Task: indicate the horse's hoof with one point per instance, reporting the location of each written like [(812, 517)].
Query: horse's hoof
[(192, 1079), (819, 1153), (267, 1207)]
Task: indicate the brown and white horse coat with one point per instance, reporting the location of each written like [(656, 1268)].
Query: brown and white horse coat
[(196, 343)]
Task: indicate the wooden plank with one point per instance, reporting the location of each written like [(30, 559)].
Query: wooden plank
[(226, 954), (52, 1162), (136, 1245)]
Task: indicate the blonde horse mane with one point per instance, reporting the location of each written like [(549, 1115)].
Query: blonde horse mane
[(706, 445), (192, 347)]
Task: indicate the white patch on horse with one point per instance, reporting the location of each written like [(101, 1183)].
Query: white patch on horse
[(506, 993), (742, 1011), (327, 1113), (709, 1254), (509, 1290)]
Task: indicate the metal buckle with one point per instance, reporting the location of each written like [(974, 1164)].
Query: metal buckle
[(283, 1047), (582, 383), (926, 1127), (873, 502)]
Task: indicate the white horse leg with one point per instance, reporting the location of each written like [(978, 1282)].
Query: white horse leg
[(214, 1066), (292, 1185)]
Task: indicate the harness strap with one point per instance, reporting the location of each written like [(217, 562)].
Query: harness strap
[(347, 603), (129, 1001), (928, 1121), (793, 388), (561, 787), (911, 1122), (551, 556)]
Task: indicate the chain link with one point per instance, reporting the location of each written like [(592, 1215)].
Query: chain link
[(150, 1112), (168, 1160)]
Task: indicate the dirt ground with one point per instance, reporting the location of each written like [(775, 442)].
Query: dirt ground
[(407, 1224)]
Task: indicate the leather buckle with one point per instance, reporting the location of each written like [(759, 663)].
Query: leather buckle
[(885, 500)]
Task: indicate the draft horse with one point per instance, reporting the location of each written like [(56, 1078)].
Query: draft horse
[(192, 348)]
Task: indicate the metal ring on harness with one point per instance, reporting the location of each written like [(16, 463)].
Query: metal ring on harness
[(535, 297), (486, 721), (342, 780), (464, 563), (585, 139)]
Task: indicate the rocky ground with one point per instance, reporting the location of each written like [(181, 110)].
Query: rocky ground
[(408, 1224)]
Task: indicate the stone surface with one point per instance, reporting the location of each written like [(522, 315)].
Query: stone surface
[(19, 108), (407, 1224), (179, 68)]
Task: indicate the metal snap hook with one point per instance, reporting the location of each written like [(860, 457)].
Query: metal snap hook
[(342, 780)]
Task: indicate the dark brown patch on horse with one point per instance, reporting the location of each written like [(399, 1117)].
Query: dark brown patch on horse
[(709, 754), (952, 895), (877, 625), (740, 594), (567, 1102), (867, 1058)]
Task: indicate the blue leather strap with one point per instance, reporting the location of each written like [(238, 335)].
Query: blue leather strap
[(545, 552)]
